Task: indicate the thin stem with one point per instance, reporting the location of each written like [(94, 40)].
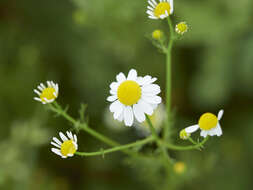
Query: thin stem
[(191, 147), (168, 80), (58, 109), (118, 148), (152, 129)]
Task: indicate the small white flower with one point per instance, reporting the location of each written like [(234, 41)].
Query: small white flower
[(68, 147), (181, 28), (47, 94), (159, 10), (209, 125), (133, 96)]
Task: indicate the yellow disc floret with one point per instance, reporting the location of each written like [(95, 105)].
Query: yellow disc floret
[(208, 121), (157, 34), (161, 9), (48, 93), (129, 92), (181, 28), (68, 147)]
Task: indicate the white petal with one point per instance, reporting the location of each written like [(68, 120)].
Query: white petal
[(153, 17), (111, 98), (138, 113), (113, 92), (75, 139), (132, 75), (120, 118), (63, 137), (37, 99), (56, 151), (203, 133), (114, 86), (57, 141), (70, 135), (128, 116), (151, 8), (115, 106), (146, 108), (171, 6), (119, 111), (219, 130), (212, 132), (42, 85), (220, 114), (151, 88), (37, 92), (150, 12), (192, 128), (152, 99), (152, 4), (121, 77), (146, 79), (53, 143)]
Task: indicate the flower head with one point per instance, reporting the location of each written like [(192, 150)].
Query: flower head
[(68, 147), (160, 10), (184, 135), (133, 96), (179, 167), (47, 94), (209, 125), (157, 34), (181, 28)]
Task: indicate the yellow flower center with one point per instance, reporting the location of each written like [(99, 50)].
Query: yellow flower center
[(161, 8), (48, 93), (129, 92), (208, 121), (182, 27), (68, 147), (157, 34)]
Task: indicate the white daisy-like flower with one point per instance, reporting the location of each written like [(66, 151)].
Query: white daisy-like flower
[(133, 96), (47, 94), (160, 10), (68, 147), (209, 125)]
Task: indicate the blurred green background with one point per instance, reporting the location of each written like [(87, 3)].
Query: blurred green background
[(82, 45)]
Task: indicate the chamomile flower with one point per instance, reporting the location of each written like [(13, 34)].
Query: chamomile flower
[(209, 125), (160, 10), (68, 147), (47, 94), (181, 28), (133, 96)]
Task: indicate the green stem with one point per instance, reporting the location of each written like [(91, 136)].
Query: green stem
[(168, 80), (118, 148), (58, 109), (191, 147), (152, 129), (158, 141)]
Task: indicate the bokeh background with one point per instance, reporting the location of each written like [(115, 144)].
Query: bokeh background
[(82, 45)]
